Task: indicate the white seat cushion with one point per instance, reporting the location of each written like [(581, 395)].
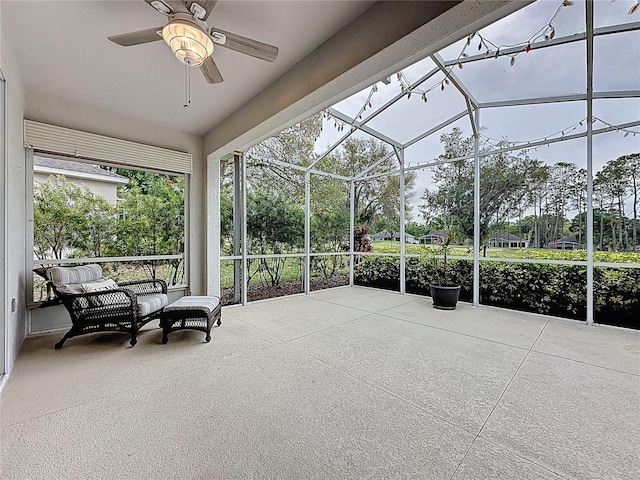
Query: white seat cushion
[(74, 275), (99, 285), (203, 303), (151, 303)]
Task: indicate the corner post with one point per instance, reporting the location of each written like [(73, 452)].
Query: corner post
[(476, 211), (307, 231), (352, 212), (403, 284)]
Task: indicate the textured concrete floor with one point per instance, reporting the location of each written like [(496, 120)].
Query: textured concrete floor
[(347, 383)]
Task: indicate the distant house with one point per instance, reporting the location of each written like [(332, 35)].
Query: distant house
[(393, 236), (567, 243), (508, 240), (432, 237), (97, 180)]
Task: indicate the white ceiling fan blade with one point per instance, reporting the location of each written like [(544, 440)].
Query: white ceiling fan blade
[(245, 45), (137, 38), (210, 71), (176, 5), (161, 6), (207, 5)]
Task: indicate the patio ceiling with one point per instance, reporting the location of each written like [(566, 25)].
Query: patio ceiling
[(62, 50)]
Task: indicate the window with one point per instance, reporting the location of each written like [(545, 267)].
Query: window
[(132, 222)]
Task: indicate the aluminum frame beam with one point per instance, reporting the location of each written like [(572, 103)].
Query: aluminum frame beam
[(364, 128), (540, 143), (298, 167), (589, 47), (375, 164), (453, 78), (476, 213), (352, 200), (403, 280), (377, 112), (307, 232), (561, 98), (577, 37), (424, 135), (245, 264), (237, 227)]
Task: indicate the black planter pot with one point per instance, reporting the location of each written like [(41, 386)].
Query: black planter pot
[(445, 297)]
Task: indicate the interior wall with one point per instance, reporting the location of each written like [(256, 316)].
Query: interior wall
[(47, 108), (15, 310)]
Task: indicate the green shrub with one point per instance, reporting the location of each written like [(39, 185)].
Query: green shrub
[(558, 290)]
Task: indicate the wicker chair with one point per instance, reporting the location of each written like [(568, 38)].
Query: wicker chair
[(97, 304)]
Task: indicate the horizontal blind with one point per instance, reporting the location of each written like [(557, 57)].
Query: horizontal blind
[(74, 143)]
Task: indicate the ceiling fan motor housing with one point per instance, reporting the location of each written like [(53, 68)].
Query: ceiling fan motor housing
[(188, 40)]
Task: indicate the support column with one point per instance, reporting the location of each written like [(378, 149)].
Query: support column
[(589, 42), (352, 208), (307, 232), (476, 211), (400, 153), (213, 226), (237, 228), (243, 182)]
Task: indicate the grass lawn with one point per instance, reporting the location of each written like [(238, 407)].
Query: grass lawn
[(292, 269), (387, 246)]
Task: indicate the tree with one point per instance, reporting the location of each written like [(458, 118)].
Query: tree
[(152, 220), (293, 145), (504, 179), (632, 169), (378, 198), (275, 225), (70, 219), (329, 230)]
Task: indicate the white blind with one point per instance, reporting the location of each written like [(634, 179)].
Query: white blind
[(74, 143)]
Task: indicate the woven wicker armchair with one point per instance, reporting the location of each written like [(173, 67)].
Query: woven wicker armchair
[(97, 304)]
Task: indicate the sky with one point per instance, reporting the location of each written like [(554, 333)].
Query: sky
[(559, 70)]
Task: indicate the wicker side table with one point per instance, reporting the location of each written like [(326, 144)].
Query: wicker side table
[(192, 313)]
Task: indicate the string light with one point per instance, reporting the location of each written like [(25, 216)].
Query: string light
[(546, 32), (634, 8), (561, 133)]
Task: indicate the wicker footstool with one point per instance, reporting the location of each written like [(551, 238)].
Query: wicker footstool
[(193, 313)]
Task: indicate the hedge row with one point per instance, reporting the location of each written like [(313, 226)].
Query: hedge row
[(558, 290)]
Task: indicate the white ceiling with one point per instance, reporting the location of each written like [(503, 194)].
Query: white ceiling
[(62, 49)]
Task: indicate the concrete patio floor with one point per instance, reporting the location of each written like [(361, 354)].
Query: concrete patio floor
[(346, 383)]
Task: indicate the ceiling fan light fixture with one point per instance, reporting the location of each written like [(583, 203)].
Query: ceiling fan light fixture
[(189, 43)]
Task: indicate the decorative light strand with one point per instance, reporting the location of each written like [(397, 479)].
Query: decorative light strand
[(634, 8), (561, 133), (546, 32)]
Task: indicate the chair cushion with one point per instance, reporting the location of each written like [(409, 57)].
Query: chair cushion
[(74, 275), (151, 303), (203, 303), (99, 285)]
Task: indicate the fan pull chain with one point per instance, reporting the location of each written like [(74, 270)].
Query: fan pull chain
[(187, 87)]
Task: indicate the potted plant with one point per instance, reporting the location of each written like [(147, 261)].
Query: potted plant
[(443, 293)]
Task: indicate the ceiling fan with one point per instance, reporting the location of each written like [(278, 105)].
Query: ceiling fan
[(191, 39)]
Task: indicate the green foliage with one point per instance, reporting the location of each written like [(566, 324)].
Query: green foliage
[(558, 290), (70, 220), (226, 221), (329, 229), (152, 223), (275, 225), (381, 272)]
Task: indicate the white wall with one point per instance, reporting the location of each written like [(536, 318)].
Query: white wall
[(15, 279), (106, 190)]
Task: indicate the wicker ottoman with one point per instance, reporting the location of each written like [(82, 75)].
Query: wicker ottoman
[(193, 313)]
